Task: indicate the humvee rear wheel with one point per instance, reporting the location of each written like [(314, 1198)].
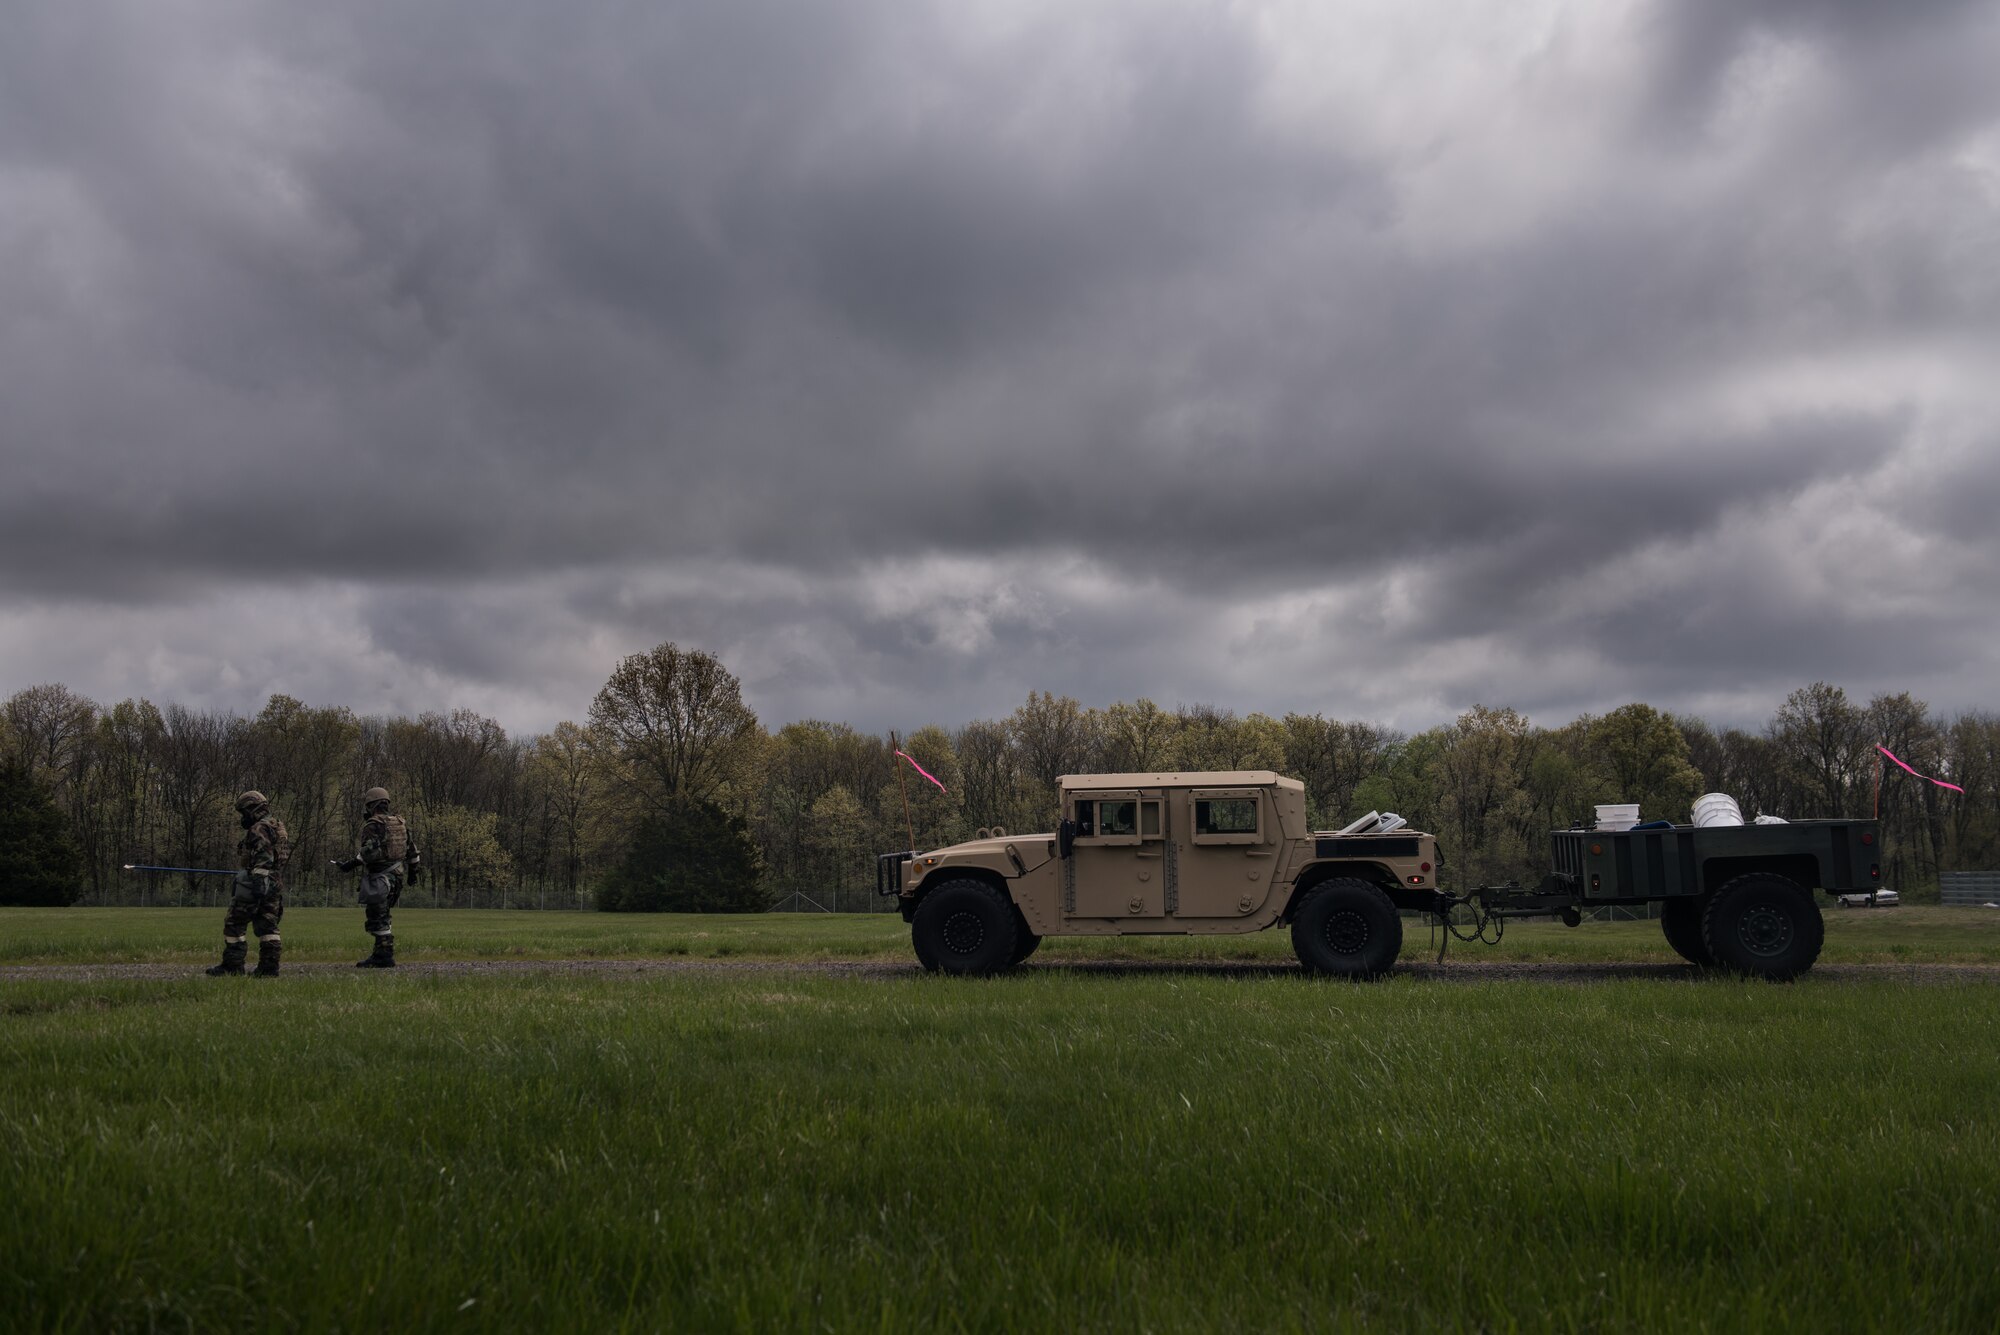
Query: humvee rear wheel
[(1763, 924), (1680, 921), (966, 927), (1347, 927)]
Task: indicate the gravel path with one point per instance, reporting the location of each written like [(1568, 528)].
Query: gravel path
[(1454, 971)]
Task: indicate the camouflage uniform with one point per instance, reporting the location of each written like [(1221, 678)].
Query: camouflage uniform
[(258, 901), (385, 850)]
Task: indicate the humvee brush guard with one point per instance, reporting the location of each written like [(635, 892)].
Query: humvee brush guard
[(1227, 853)]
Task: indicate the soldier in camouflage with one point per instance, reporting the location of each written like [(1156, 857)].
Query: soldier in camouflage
[(387, 860), (258, 900)]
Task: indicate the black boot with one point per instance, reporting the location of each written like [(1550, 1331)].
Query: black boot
[(232, 959), (267, 959), (384, 956)]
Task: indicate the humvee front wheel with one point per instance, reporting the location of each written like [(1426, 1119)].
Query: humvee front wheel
[(1349, 928), (1680, 922), (965, 927), (1026, 940), (1764, 924)]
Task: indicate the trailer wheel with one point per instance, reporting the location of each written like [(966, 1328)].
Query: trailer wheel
[(1349, 928), (1763, 924), (965, 927), (1680, 920)]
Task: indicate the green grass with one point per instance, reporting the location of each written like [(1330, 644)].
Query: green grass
[(1045, 1151), (102, 935)]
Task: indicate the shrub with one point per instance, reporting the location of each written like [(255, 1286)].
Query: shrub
[(688, 858), (38, 860)]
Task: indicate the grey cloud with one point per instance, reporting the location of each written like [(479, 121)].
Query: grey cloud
[(498, 316)]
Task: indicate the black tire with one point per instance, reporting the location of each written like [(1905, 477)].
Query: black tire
[(1025, 941), (966, 927), (1680, 920), (1765, 925), (1347, 928)]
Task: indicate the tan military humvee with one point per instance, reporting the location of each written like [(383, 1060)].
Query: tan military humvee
[(1169, 854)]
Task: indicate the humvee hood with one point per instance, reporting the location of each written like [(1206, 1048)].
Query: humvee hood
[(1034, 850)]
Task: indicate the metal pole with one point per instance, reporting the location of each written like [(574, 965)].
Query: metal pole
[(903, 783)]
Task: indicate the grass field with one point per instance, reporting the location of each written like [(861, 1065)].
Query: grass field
[(102, 935), (1158, 1151)]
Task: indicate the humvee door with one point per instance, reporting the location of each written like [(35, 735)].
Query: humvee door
[(1116, 867), (1229, 854)]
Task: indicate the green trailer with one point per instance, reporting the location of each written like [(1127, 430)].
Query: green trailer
[(1738, 897)]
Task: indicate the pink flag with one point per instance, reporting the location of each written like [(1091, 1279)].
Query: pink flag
[(1925, 777), (926, 773)]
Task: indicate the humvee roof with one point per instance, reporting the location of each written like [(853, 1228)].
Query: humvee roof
[(1234, 778)]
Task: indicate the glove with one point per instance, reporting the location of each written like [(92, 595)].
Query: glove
[(348, 864)]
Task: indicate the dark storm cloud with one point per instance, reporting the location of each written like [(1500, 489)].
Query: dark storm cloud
[(913, 357)]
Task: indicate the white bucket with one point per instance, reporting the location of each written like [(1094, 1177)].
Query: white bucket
[(1617, 815), (1717, 809)]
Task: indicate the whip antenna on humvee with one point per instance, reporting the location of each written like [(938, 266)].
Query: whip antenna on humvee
[(903, 783)]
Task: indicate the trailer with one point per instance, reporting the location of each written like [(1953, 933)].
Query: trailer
[(1737, 897)]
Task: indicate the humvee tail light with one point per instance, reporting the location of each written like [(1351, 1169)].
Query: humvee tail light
[(1423, 866), (1867, 838), (1416, 880), (1874, 873)]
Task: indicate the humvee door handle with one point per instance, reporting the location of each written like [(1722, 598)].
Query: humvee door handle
[(1260, 853), (1146, 855)]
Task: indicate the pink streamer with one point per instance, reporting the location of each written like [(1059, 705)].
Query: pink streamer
[(941, 788), (1925, 777)]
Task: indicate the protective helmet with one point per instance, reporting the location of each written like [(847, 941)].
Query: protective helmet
[(374, 795), (251, 800)]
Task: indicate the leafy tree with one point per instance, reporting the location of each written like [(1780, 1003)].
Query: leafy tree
[(462, 851), (992, 774), (1821, 737), (1138, 738), (1482, 795), (674, 721), (38, 859), (566, 771), (689, 857), (837, 830), (1053, 738), (48, 726), (937, 816), (1645, 758)]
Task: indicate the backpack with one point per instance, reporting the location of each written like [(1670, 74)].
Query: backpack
[(396, 837), (281, 841)]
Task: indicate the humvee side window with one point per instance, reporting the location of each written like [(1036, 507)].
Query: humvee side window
[(1226, 816), (1109, 818), (1117, 818)]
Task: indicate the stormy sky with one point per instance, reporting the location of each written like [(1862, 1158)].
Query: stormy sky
[(1369, 358)]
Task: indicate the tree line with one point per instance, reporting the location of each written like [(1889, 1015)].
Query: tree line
[(671, 794)]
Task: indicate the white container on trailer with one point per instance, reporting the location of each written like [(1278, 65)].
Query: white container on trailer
[(1717, 809), (1617, 815)]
